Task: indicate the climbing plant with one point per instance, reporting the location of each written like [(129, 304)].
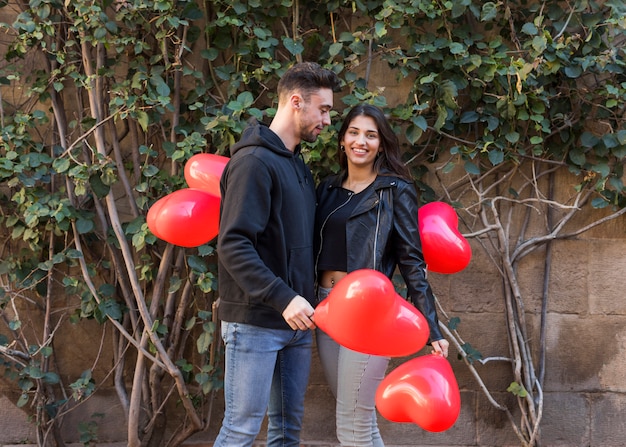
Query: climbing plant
[(103, 102)]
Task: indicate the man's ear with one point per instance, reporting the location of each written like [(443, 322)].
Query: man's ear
[(296, 101)]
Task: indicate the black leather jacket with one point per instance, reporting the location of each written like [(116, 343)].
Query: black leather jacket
[(383, 233)]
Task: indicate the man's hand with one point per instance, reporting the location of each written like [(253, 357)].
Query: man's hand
[(298, 314)]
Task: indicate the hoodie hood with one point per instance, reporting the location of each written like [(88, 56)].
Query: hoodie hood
[(259, 134)]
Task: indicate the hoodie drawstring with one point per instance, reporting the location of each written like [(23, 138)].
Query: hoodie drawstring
[(306, 178)]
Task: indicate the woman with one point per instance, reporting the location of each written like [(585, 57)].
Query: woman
[(367, 218)]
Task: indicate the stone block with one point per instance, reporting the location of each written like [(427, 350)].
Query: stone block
[(568, 288), (608, 424), (607, 280), (477, 288), (585, 353), (492, 425), (104, 409), (76, 347), (15, 425), (486, 333), (565, 420)]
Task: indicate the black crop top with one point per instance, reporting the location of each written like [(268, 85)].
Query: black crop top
[(333, 251)]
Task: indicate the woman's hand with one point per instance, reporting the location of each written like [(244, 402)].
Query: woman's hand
[(441, 347)]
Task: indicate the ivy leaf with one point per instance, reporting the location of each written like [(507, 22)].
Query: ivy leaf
[(72, 253), (471, 353), (428, 78), (150, 171), (23, 400), (294, 47), (512, 137), (577, 156), (99, 188), (206, 250), (496, 156), (469, 117), (610, 140), (458, 9), (530, 29), (448, 168), (197, 264), (138, 240), (135, 225), (142, 119), (517, 389), (100, 33), (335, 48), (449, 93), (204, 342), (245, 99), (599, 203), (539, 44), (380, 29), (457, 48), (603, 169), (471, 168), (492, 123), (454, 323), (420, 122), (210, 54), (110, 308), (84, 225), (61, 165), (587, 139), (161, 86), (413, 134), (489, 12), (573, 71), (619, 151), (51, 377), (175, 284), (442, 115)]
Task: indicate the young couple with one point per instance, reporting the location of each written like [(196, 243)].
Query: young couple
[(278, 238)]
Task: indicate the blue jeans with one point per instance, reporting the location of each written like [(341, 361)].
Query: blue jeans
[(267, 370), (353, 378)]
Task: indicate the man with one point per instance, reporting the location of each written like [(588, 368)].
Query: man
[(266, 272)]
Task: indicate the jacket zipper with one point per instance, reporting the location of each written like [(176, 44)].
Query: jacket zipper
[(380, 199)]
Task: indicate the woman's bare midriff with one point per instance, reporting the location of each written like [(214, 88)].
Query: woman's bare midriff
[(329, 278)]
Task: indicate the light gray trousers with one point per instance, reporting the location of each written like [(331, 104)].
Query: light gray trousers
[(353, 378)]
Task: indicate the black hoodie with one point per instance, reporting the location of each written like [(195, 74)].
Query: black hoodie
[(265, 242)]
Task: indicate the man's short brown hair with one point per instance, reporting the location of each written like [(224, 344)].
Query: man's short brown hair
[(307, 78)]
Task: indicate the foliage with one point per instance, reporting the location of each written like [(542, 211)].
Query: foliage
[(103, 103)]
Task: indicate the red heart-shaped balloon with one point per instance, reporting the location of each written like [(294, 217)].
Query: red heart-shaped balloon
[(154, 211), (203, 171), (188, 217), (445, 249), (423, 391), (363, 312)]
